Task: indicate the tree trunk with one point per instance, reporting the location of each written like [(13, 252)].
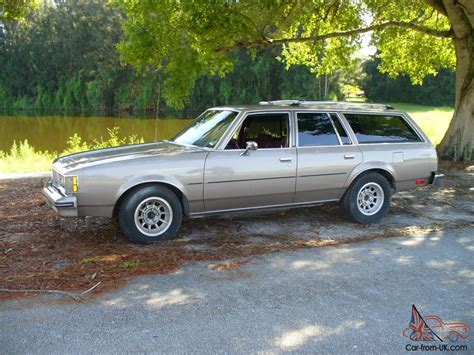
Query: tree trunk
[(458, 142)]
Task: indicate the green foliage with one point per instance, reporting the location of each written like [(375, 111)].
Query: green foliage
[(114, 140), (55, 66), (129, 264), (436, 90), (23, 157), (190, 38), (261, 77), (63, 57), (146, 96), (53, 54), (12, 10), (90, 260), (75, 144), (95, 95)]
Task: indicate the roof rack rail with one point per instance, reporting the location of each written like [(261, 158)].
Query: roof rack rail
[(341, 104), (282, 102)]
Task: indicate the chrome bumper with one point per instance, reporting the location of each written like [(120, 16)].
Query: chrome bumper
[(437, 179), (63, 205)]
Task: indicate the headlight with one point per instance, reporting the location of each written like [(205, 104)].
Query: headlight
[(71, 183), (66, 184)]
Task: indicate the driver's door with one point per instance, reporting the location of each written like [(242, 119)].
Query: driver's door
[(263, 177)]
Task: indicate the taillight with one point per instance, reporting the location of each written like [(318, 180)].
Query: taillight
[(420, 182)]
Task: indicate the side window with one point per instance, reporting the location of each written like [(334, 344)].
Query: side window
[(315, 129), (381, 128), (268, 130), (345, 140)]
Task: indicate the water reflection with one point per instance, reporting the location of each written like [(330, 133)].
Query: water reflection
[(52, 132)]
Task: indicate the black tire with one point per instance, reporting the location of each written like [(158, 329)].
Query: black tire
[(154, 193), (350, 204)]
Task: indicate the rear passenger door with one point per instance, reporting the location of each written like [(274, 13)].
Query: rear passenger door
[(326, 156)]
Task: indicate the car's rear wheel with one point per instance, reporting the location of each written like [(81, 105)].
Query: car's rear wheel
[(150, 214), (368, 198), (453, 337)]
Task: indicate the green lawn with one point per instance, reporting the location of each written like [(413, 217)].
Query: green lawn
[(434, 121)]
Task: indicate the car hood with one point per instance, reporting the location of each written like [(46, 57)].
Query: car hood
[(81, 160)]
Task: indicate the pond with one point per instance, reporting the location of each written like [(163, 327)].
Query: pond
[(52, 132)]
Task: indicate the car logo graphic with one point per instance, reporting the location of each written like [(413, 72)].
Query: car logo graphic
[(433, 328)]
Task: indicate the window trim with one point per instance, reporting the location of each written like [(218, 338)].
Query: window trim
[(219, 142), (392, 114), (333, 126), (238, 123), (343, 125)]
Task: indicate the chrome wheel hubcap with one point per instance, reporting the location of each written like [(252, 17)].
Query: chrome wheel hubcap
[(153, 216), (370, 198)]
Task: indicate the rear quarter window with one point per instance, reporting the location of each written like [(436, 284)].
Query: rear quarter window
[(370, 128)]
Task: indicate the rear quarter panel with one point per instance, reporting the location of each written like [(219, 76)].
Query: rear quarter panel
[(407, 162)]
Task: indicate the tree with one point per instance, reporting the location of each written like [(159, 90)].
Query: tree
[(436, 90), (14, 9), (189, 38), (62, 56)]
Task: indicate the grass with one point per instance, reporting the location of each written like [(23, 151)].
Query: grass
[(22, 157), (434, 121), (90, 260), (129, 264)]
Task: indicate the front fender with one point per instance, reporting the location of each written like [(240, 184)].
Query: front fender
[(138, 180)]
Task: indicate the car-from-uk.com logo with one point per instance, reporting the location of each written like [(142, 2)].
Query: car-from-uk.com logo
[(438, 334)]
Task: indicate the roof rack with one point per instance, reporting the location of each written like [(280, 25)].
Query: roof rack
[(341, 104)]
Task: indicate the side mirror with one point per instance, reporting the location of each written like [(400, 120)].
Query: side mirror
[(251, 145)]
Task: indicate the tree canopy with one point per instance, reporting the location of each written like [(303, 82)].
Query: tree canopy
[(15, 9), (64, 57), (194, 38)]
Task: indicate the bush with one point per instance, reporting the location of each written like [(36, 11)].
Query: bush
[(23, 157)]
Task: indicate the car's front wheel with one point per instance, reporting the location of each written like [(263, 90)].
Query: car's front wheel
[(368, 199), (150, 214)]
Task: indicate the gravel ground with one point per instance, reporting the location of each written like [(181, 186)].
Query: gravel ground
[(44, 251)]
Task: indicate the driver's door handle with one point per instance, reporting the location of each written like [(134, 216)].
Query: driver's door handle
[(286, 160)]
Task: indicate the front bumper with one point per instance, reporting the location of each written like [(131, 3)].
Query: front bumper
[(64, 205), (437, 179)]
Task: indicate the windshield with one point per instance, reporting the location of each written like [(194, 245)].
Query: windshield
[(207, 129)]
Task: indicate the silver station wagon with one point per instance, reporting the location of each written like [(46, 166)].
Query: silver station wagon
[(277, 154)]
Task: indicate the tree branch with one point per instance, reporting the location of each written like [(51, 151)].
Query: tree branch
[(438, 6), (458, 18), (395, 24), (74, 296)]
